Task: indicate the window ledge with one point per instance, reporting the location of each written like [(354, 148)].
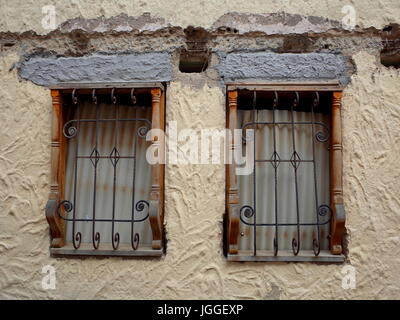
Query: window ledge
[(286, 256), (123, 251)]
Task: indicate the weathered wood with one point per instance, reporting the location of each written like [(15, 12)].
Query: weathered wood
[(336, 185), (156, 211), (108, 85), (57, 173), (232, 199), (286, 86), (86, 249), (286, 256)]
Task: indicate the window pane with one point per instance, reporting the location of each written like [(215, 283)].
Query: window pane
[(118, 145), (287, 206)]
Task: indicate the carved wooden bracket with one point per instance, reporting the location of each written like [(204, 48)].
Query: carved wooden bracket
[(57, 228), (336, 172), (157, 187), (232, 200)]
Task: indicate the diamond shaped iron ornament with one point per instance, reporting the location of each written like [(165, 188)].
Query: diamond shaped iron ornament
[(295, 160), (94, 157), (275, 159), (114, 156)]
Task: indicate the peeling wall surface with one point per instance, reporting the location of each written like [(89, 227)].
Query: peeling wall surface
[(121, 41), (24, 15)]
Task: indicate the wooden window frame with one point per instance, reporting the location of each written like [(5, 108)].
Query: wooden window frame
[(58, 166), (338, 219)]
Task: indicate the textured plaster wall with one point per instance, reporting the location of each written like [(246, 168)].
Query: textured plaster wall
[(183, 13), (194, 266)]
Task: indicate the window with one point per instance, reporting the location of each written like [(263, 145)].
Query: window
[(106, 198), (290, 207)]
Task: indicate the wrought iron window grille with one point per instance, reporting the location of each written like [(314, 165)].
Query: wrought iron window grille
[(60, 212), (240, 214)]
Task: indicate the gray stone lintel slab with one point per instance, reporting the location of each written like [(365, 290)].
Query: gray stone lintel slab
[(268, 66), (138, 67)]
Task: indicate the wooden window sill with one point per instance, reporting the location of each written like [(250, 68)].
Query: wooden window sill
[(105, 251), (286, 256)]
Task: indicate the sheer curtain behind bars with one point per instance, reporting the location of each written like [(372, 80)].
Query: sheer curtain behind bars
[(286, 192), (125, 192)]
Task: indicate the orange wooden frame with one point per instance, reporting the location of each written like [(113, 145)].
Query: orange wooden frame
[(336, 185), (57, 172)]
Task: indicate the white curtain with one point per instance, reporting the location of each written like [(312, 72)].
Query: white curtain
[(124, 191), (286, 192)]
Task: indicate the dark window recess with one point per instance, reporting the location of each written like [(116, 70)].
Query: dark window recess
[(193, 62), (195, 57), (390, 54)]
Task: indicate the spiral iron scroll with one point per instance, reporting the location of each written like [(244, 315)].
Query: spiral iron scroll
[(320, 136), (65, 207), (140, 206), (70, 127), (247, 212)]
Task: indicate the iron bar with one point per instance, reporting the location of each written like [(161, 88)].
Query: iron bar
[(316, 242), (67, 206), (248, 212), (295, 157), (255, 119), (95, 235), (104, 157), (280, 160), (320, 136), (134, 236), (114, 160), (72, 129), (275, 164), (76, 237)]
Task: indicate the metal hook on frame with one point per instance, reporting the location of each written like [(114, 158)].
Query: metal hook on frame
[(133, 96), (94, 97), (74, 96), (113, 97), (276, 99), (316, 100), (296, 99)]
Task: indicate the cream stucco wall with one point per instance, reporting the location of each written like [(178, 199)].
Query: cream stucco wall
[(184, 13), (194, 266)]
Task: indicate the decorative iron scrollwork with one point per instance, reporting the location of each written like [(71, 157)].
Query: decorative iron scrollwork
[(323, 212), (65, 207), (295, 246), (140, 207)]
